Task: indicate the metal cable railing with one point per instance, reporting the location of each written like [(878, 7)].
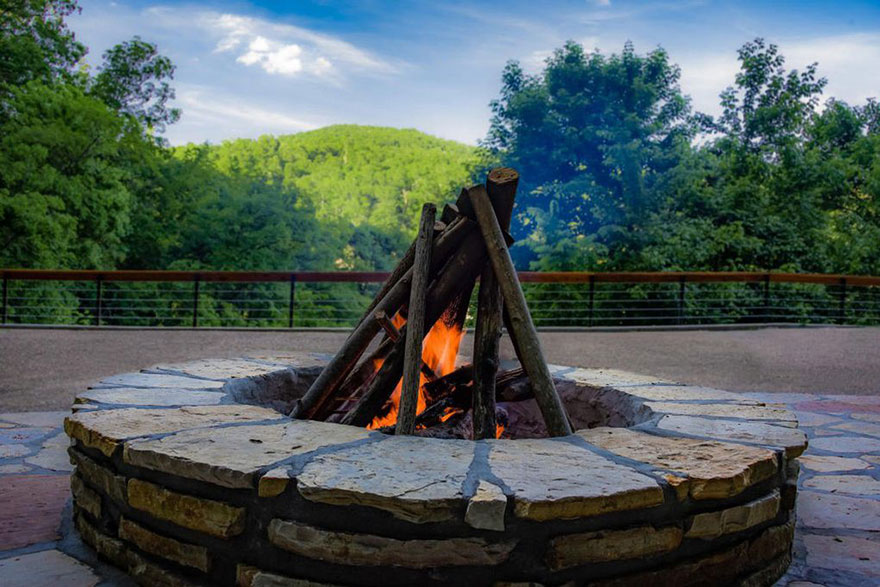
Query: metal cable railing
[(337, 299)]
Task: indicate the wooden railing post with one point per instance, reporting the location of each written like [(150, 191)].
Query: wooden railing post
[(98, 299), (681, 287), (195, 321), (592, 300), (292, 300), (5, 298)]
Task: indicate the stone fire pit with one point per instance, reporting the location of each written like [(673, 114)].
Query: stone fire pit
[(191, 474)]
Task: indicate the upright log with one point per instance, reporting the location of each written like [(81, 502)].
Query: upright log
[(523, 329), (409, 394), (344, 361), (487, 338)]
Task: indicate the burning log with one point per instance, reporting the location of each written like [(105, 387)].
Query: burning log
[(523, 329), (394, 335), (409, 395), (454, 237)]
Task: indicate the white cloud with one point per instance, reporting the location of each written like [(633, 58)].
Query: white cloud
[(287, 49), (602, 2)]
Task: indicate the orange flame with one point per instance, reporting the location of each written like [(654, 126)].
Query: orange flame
[(439, 350)]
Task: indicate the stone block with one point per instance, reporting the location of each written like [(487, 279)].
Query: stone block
[(611, 545), (84, 497), (714, 470), (414, 479), (188, 555), (710, 525), (485, 510), (591, 484), (794, 441), (248, 576), (135, 396), (158, 380), (372, 550), (105, 430), (208, 516), (233, 457), (718, 410), (113, 485)]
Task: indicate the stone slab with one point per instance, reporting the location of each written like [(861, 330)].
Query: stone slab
[(822, 510), (714, 470), (850, 484), (53, 454), (202, 515), (49, 567), (739, 412), (14, 451), (485, 510), (844, 553), (868, 428), (846, 444), (232, 457), (794, 441), (37, 419), (552, 479), (415, 479), (291, 358), (825, 464), (188, 555), (14, 469), (218, 369), (610, 377), (711, 525), (156, 380), (30, 509), (684, 393), (814, 419), (134, 396), (84, 497), (105, 430), (372, 550), (611, 545), (100, 476), (23, 435), (866, 417)]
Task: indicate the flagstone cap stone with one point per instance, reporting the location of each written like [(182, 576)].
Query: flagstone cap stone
[(192, 446)]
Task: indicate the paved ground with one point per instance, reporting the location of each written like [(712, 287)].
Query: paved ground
[(40, 369)]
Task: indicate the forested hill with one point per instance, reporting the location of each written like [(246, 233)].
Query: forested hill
[(365, 176)]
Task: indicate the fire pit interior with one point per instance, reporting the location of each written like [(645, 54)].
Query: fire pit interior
[(395, 463)]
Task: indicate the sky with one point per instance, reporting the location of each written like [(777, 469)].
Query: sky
[(250, 68)]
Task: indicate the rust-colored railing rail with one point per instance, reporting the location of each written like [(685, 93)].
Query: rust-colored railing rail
[(557, 298)]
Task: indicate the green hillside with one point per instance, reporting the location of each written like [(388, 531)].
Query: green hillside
[(359, 175)]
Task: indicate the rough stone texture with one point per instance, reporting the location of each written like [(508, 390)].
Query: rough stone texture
[(30, 509), (556, 479), (133, 396), (818, 510), (859, 428), (151, 380), (485, 510), (791, 439), (843, 553), (852, 484), (111, 484), (739, 412), (846, 444), (203, 515), (371, 550), (709, 525), (248, 576), (664, 393), (189, 555), (274, 482), (715, 470), (824, 464), (219, 369), (415, 479), (53, 454), (106, 429), (84, 497), (110, 548), (49, 567), (232, 457), (610, 377), (610, 545)]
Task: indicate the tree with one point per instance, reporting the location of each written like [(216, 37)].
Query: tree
[(590, 135), (134, 80)]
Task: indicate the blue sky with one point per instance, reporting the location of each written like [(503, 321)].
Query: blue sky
[(246, 69)]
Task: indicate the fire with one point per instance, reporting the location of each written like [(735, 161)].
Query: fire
[(439, 350), (499, 430)]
